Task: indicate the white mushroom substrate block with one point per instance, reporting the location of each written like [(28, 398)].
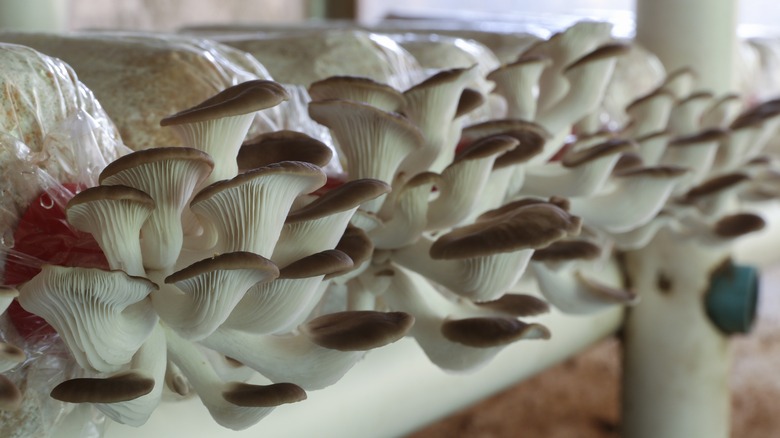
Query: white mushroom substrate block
[(393, 390)]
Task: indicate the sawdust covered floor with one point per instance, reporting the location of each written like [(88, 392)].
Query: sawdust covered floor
[(580, 397)]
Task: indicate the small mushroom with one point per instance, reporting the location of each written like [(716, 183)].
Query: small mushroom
[(687, 114), (319, 225), (358, 89), (518, 83), (169, 176), (432, 106), (264, 195), (559, 272), (649, 114), (281, 305), (405, 222), (696, 152), (212, 288), (218, 125), (483, 260), (114, 215), (102, 316), (581, 172), (451, 336), (373, 142), (638, 195), (462, 182), (277, 146), (588, 78)]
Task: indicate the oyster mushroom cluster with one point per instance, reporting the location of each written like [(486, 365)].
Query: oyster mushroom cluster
[(208, 271), (250, 257)]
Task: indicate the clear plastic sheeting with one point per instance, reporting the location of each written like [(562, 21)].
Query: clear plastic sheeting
[(304, 56), (141, 78)]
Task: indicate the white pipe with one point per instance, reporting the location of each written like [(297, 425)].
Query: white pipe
[(676, 363), (393, 391), (34, 15), (696, 33)]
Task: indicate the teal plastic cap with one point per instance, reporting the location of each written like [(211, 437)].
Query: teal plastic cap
[(732, 299)]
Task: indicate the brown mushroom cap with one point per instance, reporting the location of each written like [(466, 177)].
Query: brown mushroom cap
[(356, 244), (757, 115), (114, 389), (528, 227), (442, 77), (581, 156), (469, 101), (714, 185), (227, 261), (604, 52), (243, 98), (358, 89), (607, 293), (567, 250), (648, 97), (486, 332), (263, 396), (559, 202), (358, 330), (284, 167), (706, 136), (114, 193), (739, 224), (516, 305), (322, 263), (487, 147), (344, 197), (10, 395), (285, 145), (145, 156)]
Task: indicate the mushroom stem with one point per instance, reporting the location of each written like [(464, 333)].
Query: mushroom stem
[(480, 278)]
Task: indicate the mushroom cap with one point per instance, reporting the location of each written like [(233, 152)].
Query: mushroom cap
[(356, 244), (359, 89), (243, 98), (527, 227), (154, 155), (574, 158), (10, 395), (344, 197), (262, 396), (285, 145), (567, 250), (757, 115), (285, 167), (516, 305), (706, 136), (606, 51), (470, 100), (714, 185), (357, 330), (486, 332), (487, 147), (114, 389), (738, 224), (225, 262), (111, 193), (322, 263)]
